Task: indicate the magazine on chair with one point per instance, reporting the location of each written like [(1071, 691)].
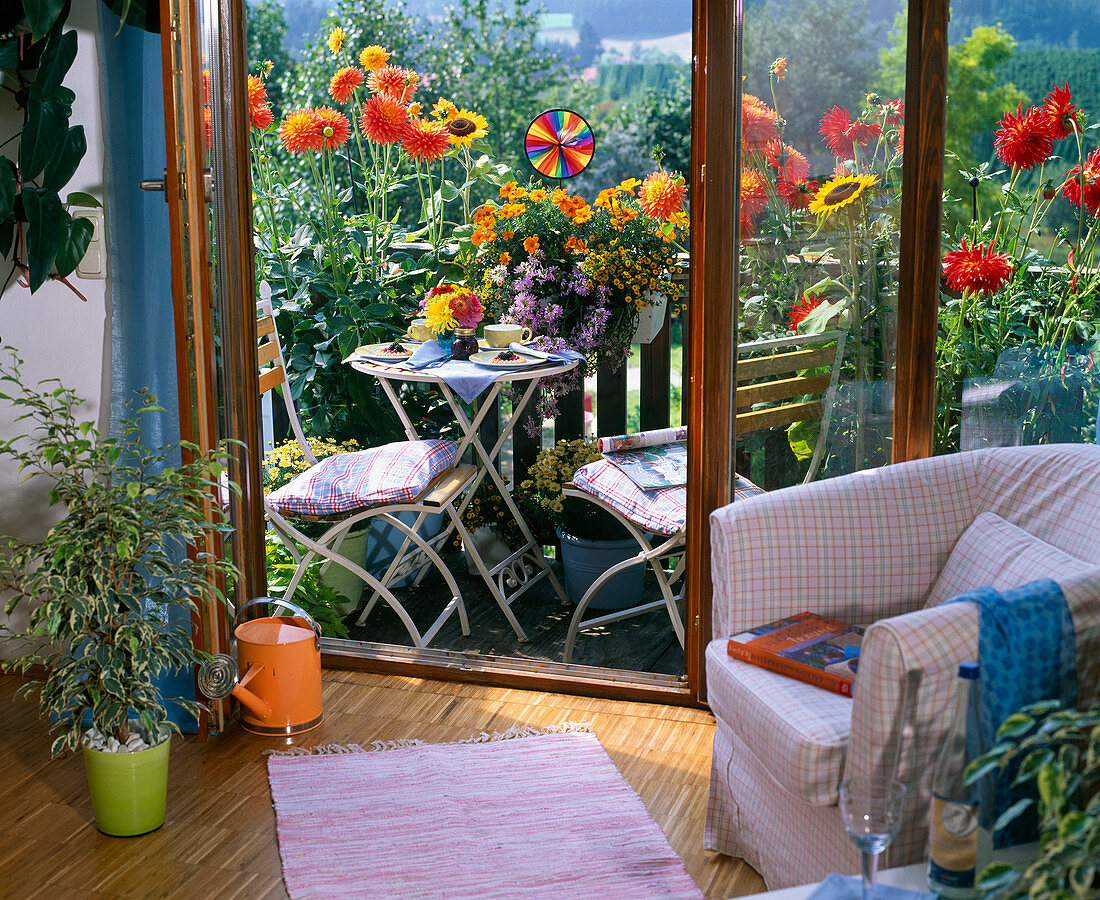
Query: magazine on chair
[(820, 651), (651, 459)]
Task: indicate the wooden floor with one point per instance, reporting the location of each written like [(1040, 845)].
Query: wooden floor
[(219, 840)]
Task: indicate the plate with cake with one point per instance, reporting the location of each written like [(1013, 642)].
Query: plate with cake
[(505, 359), (393, 352)]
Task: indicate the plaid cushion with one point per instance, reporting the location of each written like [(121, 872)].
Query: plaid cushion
[(662, 511), (349, 482)]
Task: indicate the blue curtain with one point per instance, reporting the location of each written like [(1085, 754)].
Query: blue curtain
[(143, 350)]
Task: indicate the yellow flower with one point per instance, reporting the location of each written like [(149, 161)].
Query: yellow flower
[(531, 244), (374, 57), (837, 193), (466, 126), (336, 39), (538, 195), (443, 108), (505, 258), (437, 310)]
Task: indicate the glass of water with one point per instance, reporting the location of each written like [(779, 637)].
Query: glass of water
[(871, 810)]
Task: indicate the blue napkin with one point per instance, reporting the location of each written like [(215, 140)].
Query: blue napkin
[(846, 887), (466, 379), (425, 355), (559, 356)]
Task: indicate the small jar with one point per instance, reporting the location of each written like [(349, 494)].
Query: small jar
[(465, 343)]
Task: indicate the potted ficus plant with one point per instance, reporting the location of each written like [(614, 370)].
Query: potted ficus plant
[(592, 541), (109, 591)]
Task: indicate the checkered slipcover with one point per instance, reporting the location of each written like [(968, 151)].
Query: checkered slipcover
[(662, 511), (350, 482), (868, 548)]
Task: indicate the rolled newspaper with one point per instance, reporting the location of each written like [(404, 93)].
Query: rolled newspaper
[(641, 439)]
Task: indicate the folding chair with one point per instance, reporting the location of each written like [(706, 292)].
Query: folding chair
[(369, 485), (783, 373)]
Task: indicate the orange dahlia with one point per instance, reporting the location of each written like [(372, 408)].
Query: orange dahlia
[(791, 164), (662, 194), (975, 268), (426, 141), (344, 82), (394, 81), (754, 196), (335, 128), (259, 113), (301, 131), (758, 121), (1082, 185), (384, 119), (778, 68), (374, 57), (1061, 112), (1024, 139)]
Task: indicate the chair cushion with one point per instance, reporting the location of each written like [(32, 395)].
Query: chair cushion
[(798, 732), (662, 511), (997, 553), (350, 482)]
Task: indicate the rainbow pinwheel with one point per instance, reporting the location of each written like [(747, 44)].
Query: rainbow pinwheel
[(559, 143)]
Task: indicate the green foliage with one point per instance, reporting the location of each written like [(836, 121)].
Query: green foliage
[(100, 588), (1058, 750), (37, 233), (312, 594), (265, 26)]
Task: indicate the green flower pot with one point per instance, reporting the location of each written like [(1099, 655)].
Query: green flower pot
[(129, 790)]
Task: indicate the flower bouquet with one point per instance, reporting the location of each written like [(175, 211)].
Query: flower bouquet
[(450, 306)]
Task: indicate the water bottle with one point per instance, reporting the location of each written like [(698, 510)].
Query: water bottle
[(959, 843)]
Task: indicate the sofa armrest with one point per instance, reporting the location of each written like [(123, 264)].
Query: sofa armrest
[(860, 548)]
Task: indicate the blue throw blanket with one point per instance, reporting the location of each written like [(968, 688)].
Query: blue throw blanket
[(1027, 650)]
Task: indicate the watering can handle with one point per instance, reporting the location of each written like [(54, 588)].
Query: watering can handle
[(286, 604)]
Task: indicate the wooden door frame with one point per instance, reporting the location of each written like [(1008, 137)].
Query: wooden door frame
[(715, 245)]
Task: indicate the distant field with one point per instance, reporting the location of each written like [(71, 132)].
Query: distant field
[(678, 44)]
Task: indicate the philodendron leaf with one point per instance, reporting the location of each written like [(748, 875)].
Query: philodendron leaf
[(7, 188), (76, 234), (46, 220), (62, 166), (41, 14), (46, 118)]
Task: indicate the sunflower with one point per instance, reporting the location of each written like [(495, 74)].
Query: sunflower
[(841, 191), (975, 268), (1024, 139), (343, 83), (662, 194), (301, 131), (374, 57), (335, 128), (1061, 112), (426, 141), (384, 119), (336, 39), (466, 126)]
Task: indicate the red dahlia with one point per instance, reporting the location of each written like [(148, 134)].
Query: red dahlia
[(384, 119), (801, 309), (426, 141), (796, 194), (1082, 185), (1024, 139), (1061, 112), (975, 268), (335, 128), (834, 129), (791, 164)]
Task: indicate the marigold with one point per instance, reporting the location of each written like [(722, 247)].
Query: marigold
[(426, 141), (834, 129), (1024, 139), (798, 311), (758, 121), (791, 164), (466, 126), (1061, 112), (335, 128), (343, 84), (975, 268), (336, 39), (384, 119), (374, 57), (394, 81), (301, 131), (576, 245), (1082, 185), (504, 258), (507, 235), (538, 195), (531, 244), (662, 194), (840, 192)]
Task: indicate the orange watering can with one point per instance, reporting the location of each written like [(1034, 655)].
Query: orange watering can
[(277, 673)]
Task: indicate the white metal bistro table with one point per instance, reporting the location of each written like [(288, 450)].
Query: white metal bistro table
[(522, 568)]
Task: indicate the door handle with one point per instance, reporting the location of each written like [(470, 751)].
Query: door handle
[(157, 184)]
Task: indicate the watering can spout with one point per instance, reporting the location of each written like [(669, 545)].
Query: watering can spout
[(254, 704)]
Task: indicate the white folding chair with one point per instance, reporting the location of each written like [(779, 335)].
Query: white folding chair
[(370, 485)]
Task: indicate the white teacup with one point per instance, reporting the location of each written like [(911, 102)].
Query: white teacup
[(419, 330), (503, 334)]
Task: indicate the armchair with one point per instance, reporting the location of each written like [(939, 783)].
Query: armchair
[(880, 548)]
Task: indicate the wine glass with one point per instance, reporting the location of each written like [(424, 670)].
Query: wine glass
[(871, 809)]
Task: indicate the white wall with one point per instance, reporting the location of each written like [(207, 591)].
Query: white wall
[(57, 334)]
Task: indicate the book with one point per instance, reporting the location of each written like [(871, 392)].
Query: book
[(651, 459), (820, 651)]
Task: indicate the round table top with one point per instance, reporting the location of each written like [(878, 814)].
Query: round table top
[(395, 373)]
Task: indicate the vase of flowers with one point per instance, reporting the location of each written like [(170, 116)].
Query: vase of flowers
[(448, 307), (591, 540), (576, 273)]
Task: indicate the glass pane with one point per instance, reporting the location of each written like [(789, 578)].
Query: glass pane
[(1016, 356), (510, 151), (822, 139)]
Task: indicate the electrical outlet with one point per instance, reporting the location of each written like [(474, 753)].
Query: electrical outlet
[(94, 262)]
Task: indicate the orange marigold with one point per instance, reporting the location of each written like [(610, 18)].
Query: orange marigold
[(426, 141), (301, 131), (662, 194), (384, 119), (335, 128), (343, 84), (505, 258), (531, 244), (507, 235)]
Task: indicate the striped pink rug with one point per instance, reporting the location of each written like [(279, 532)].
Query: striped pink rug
[(542, 816)]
